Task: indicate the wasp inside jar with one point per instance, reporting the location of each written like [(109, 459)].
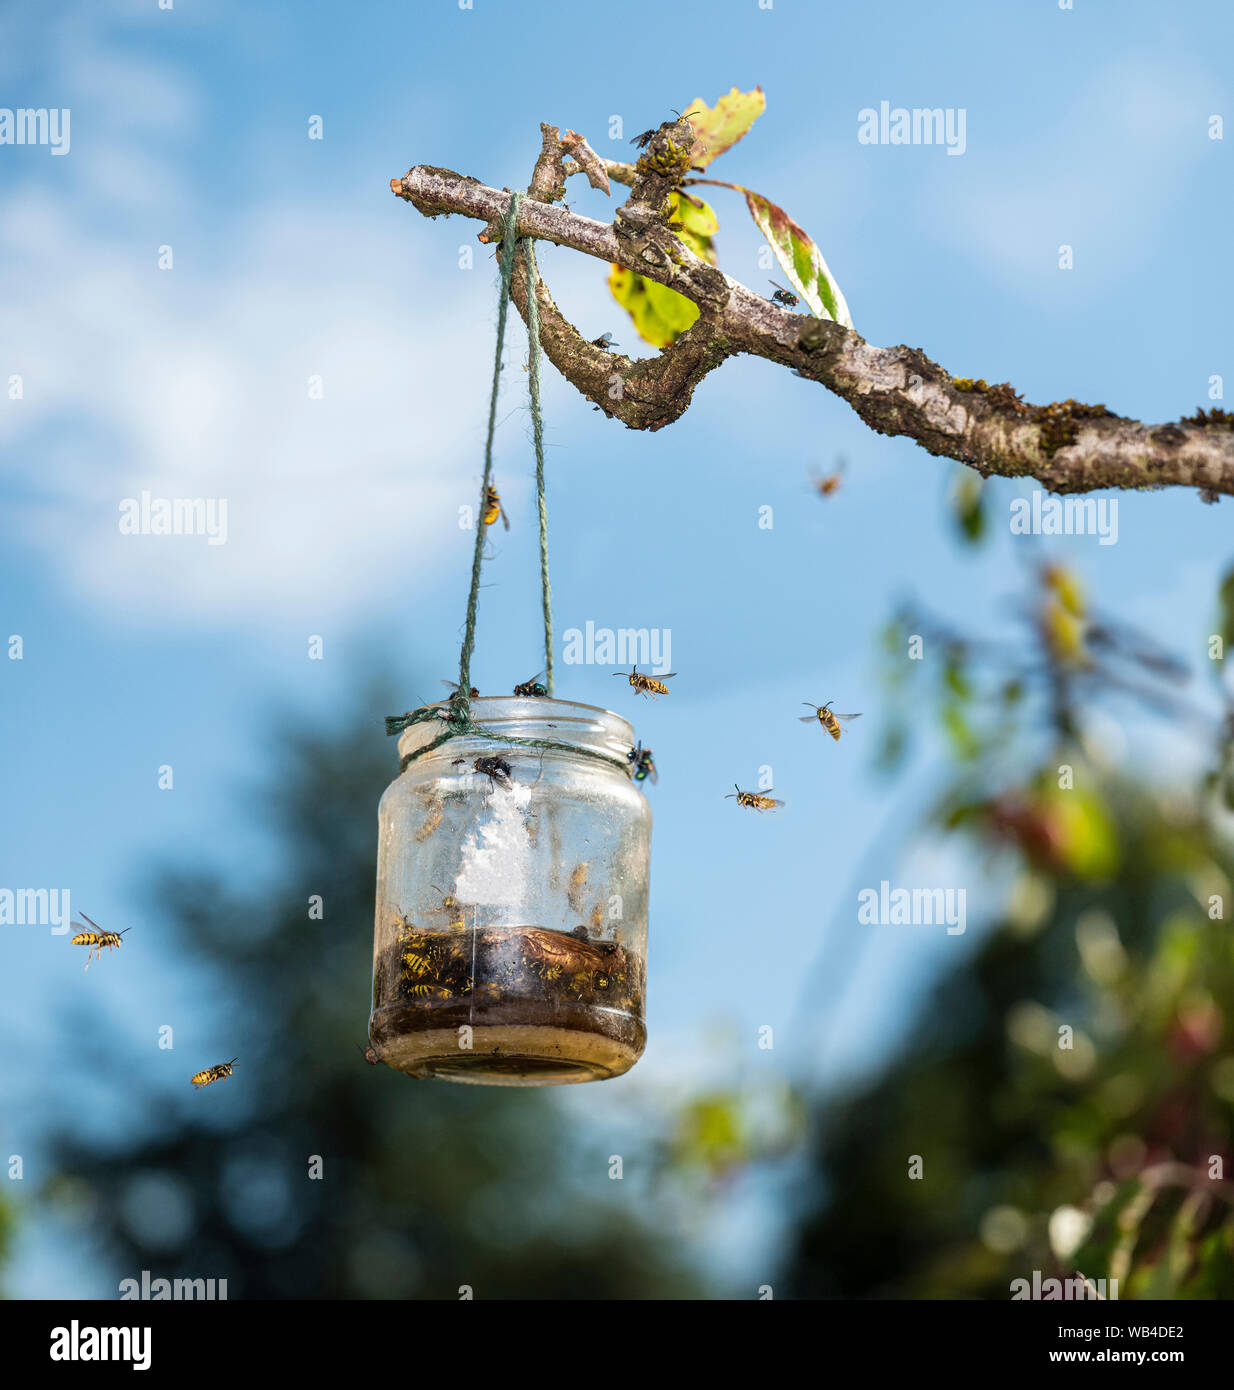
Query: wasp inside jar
[(535, 1005)]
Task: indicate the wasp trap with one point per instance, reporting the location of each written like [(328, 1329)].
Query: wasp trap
[(512, 883)]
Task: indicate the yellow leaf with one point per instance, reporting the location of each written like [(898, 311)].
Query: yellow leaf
[(718, 128)]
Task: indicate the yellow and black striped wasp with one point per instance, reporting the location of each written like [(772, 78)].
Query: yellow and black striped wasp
[(825, 717), (644, 766), (212, 1074), (493, 508), (454, 910), (754, 800), (532, 687), (646, 685), (96, 938)]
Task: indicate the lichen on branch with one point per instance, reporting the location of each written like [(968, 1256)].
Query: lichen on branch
[(1067, 446)]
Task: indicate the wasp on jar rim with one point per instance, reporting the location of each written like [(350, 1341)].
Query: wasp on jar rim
[(532, 687), (782, 296), (493, 508), (644, 765), (212, 1074), (96, 938), (754, 800), (453, 687), (826, 718), (646, 685), (604, 342)]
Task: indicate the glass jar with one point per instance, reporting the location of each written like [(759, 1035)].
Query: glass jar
[(511, 936)]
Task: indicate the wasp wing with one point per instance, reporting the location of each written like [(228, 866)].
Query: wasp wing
[(847, 717)]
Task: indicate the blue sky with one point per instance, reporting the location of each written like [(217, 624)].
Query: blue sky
[(1087, 127)]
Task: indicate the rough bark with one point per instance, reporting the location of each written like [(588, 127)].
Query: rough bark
[(1067, 446)]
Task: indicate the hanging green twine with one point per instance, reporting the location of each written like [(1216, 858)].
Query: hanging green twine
[(456, 716)]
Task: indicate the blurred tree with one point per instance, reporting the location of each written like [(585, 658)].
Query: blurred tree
[(1070, 1089), (427, 1186), (6, 1233)]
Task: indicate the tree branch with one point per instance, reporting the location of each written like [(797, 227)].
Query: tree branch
[(1067, 446)]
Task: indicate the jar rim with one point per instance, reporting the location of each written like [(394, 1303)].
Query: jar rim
[(563, 721)]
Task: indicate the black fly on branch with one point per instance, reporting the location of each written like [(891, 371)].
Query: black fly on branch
[(783, 296), (643, 140), (604, 342)]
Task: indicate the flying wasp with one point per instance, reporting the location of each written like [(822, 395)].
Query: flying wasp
[(97, 939), (604, 342), (212, 1074), (532, 687), (644, 767), (782, 296), (826, 485), (825, 717), (753, 800), (646, 685), (493, 508)]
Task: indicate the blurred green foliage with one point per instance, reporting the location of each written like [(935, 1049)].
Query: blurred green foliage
[(1069, 1089)]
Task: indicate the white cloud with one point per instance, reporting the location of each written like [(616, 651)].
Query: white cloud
[(194, 382)]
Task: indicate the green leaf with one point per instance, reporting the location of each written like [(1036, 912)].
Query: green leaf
[(660, 315), (967, 503), (718, 128), (955, 675), (964, 741), (800, 259)]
